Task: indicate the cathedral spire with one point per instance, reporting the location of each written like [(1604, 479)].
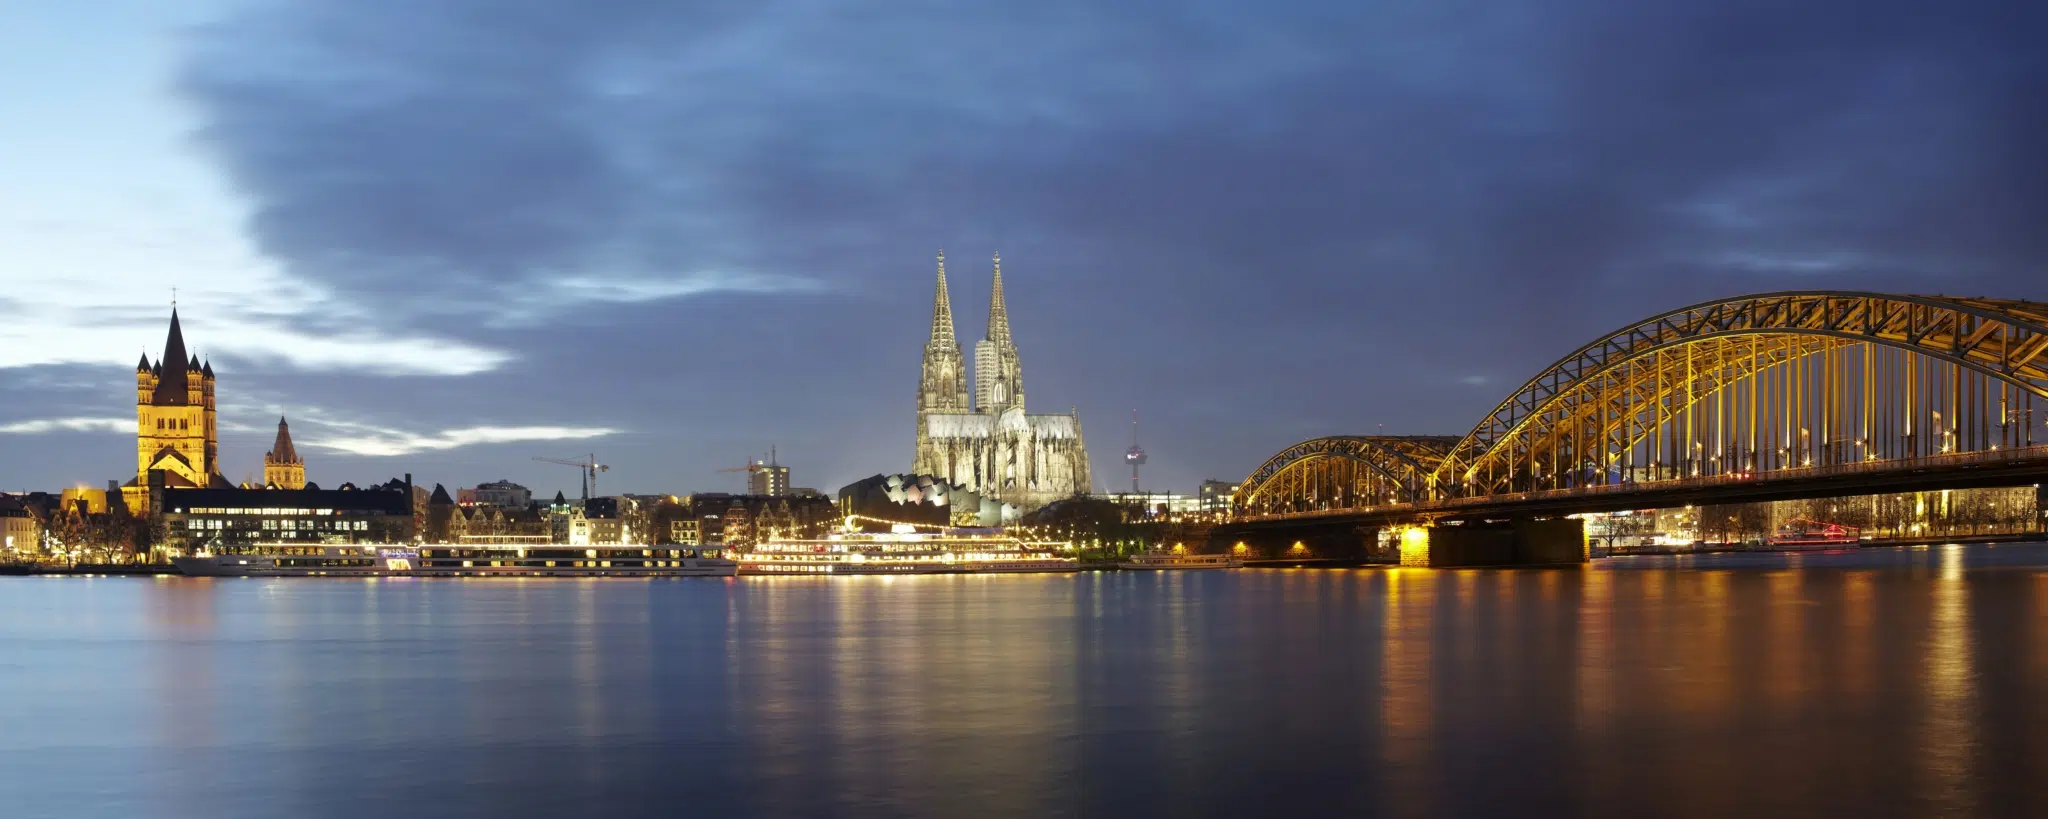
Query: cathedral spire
[(942, 311), (171, 387), (998, 380), (998, 313), (944, 385)]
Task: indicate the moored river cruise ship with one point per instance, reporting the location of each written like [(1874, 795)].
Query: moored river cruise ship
[(457, 560), (299, 560), (567, 560), (950, 551), (1167, 560)]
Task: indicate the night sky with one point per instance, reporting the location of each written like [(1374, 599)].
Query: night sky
[(445, 237)]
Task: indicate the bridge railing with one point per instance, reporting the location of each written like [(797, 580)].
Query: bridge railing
[(1798, 473)]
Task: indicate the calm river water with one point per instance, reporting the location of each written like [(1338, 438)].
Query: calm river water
[(1890, 682)]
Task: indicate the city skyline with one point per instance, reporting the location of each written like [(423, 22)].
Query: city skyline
[(453, 285)]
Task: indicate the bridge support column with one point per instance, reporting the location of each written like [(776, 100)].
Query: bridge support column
[(1520, 543)]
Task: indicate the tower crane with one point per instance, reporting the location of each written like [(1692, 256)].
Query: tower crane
[(589, 466)]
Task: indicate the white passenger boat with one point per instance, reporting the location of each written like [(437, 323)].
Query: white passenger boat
[(947, 551), (561, 560), (299, 560), (1159, 559), (456, 560)]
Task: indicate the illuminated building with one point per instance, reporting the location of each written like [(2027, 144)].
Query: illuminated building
[(197, 519), (685, 532), (738, 530), (1215, 495), (989, 445), (282, 466), (94, 500), (768, 479), (921, 499), (1155, 504), (174, 423), (19, 529)]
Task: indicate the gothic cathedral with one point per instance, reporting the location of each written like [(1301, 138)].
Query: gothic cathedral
[(990, 445)]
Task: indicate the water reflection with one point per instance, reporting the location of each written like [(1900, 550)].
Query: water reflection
[(1882, 683)]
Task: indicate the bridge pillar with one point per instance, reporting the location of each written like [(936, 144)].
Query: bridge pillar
[(1519, 543)]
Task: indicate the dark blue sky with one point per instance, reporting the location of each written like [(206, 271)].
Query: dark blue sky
[(447, 236)]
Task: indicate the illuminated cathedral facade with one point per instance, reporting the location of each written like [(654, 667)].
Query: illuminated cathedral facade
[(985, 441)]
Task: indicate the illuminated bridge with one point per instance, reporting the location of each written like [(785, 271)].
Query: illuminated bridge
[(1765, 397)]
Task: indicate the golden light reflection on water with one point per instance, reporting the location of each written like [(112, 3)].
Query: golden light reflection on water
[(1949, 716), (1405, 704)]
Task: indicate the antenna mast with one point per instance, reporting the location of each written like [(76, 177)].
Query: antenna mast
[(1135, 456)]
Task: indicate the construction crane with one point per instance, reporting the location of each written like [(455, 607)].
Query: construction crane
[(590, 467)]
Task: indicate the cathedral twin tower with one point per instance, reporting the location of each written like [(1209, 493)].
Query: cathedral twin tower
[(990, 445)]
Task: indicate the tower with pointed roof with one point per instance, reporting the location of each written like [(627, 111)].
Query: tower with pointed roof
[(944, 386), (991, 446), (282, 466), (175, 427), (998, 377)]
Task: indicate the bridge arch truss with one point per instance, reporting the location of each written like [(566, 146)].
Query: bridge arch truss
[(1723, 389), (1343, 471)]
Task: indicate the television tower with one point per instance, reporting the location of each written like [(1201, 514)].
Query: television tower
[(1135, 456)]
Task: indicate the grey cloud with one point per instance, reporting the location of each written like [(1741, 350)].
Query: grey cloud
[(1331, 202)]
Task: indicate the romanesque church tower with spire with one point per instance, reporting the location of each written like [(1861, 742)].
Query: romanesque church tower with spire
[(174, 421), (991, 446)]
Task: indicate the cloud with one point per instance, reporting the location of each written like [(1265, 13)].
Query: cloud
[(46, 425), (590, 289), (1333, 204), (386, 443)]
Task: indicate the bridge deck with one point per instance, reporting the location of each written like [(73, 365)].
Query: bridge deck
[(1961, 470)]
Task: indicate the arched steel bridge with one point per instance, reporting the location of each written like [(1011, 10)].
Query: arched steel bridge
[(1737, 392)]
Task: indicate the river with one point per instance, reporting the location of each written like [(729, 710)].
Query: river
[(1884, 682)]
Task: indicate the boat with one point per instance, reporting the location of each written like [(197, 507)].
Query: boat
[(456, 560), (905, 550), (1175, 561), (298, 560), (1810, 534), (571, 560)]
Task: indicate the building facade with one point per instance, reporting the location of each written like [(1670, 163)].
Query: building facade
[(197, 519), (768, 479), (20, 532), (986, 442), (1216, 495), (503, 493)]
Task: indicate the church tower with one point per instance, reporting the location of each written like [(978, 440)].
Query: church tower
[(174, 419), (998, 378), (945, 375), (282, 466)]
